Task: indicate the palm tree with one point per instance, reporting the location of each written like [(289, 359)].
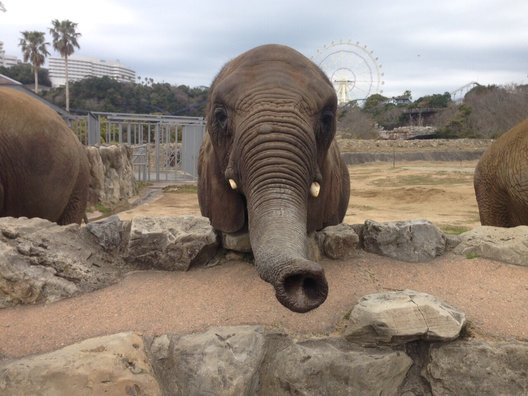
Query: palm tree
[(34, 49), (64, 41)]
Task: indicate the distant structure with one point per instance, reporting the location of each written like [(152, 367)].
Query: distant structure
[(7, 60), (458, 94), (352, 68), (82, 67)]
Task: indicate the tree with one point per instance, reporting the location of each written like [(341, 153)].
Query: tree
[(23, 73), (64, 41), (34, 49)]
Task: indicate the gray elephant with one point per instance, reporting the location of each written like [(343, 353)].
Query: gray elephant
[(44, 171), (501, 180), (270, 165)]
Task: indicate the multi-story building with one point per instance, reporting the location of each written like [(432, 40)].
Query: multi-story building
[(7, 60), (82, 67)]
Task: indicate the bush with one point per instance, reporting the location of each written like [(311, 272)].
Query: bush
[(352, 123)]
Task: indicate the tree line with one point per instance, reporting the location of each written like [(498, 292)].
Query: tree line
[(108, 95), (485, 112)]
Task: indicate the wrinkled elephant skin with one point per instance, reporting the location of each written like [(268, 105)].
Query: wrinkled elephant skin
[(501, 180), (44, 171), (269, 163)]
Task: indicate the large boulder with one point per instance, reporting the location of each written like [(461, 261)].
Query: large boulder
[(41, 261), (221, 361), (110, 365), (509, 245), (332, 367), (478, 368), (171, 243), (339, 241), (403, 316), (411, 241), (237, 241)]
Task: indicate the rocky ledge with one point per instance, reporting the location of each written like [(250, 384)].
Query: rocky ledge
[(43, 262)]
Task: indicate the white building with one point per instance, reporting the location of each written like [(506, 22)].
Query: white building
[(82, 67), (7, 60)]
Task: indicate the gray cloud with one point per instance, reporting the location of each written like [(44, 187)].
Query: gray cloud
[(427, 47)]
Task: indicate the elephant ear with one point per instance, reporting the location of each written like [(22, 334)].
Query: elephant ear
[(330, 207), (223, 206)]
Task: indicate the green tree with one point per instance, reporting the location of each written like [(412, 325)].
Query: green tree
[(35, 50), (65, 39), (434, 101), (23, 73)]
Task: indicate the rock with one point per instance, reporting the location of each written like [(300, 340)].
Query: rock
[(112, 233), (339, 241), (111, 174), (403, 316), (41, 261), (113, 365), (509, 245), (478, 368), (239, 241), (330, 367), (452, 241), (171, 243), (412, 241), (221, 361)]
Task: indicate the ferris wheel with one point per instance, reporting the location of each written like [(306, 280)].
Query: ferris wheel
[(352, 68)]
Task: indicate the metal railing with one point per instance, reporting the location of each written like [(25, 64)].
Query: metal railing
[(165, 148)]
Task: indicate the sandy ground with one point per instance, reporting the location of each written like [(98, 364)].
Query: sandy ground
[(441, 192), (493, 295)]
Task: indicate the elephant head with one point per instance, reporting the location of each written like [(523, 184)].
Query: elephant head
[(269, 162)]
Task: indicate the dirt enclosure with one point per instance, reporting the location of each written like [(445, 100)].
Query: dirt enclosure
[(493, 295), (441, 192)]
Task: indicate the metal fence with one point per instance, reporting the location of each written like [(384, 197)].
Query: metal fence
[(165, 148)]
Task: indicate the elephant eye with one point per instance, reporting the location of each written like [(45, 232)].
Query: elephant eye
[(327, 121), (220, 116)]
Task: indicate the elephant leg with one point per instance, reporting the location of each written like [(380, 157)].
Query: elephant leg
[(75, 210), (494, 206), (1, 200)]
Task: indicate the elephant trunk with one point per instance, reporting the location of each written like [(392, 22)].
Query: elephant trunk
[(280, 248), (278, 180)]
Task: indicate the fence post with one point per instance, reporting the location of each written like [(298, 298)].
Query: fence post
[(94, 136), (158, 159)]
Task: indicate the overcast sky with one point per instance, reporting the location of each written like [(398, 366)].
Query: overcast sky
[(424, 46)]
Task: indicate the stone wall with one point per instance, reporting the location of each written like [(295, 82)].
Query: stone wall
[(252, 360), (361, 158), (393, 343), (112, 180)]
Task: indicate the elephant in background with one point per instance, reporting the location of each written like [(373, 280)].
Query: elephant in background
[(44, 171), (501, 180), (269, 164)]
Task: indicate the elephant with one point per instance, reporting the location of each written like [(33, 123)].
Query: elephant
[(501, 180), (44, 170), (269, 165)]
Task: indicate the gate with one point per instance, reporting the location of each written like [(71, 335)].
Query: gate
[(165, 148)]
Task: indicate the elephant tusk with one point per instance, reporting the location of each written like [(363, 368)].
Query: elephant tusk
[(233, 184), (314, 189)]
